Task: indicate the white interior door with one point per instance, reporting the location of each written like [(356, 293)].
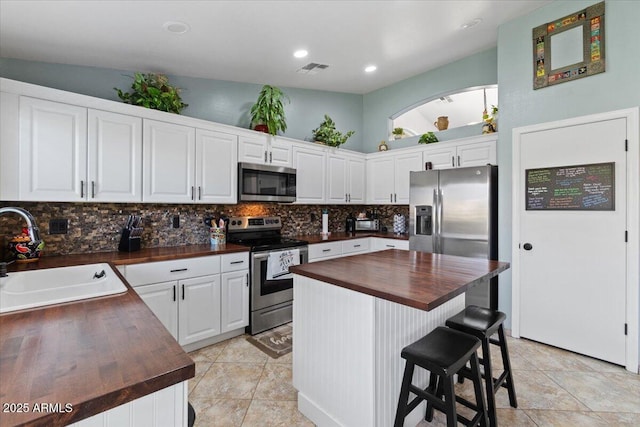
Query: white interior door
[(573, 277)]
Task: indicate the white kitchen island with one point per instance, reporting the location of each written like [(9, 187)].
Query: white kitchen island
[(351, 318)]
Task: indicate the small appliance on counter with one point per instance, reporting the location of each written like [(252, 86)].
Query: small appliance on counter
[(367, 224)]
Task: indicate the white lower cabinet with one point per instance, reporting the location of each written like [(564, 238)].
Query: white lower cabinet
[(381, 244), (208, 298), (324, 251), (235, 300), (197, 317), (355, 246), (337, 249), (166, 407), (161, 299)]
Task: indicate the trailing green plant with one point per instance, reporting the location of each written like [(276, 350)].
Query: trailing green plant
[(489, 118), (269, 109), (328, 133), (427, 138), (153, 91), (398, 131)]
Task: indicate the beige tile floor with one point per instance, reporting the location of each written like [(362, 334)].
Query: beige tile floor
[(238, 385)]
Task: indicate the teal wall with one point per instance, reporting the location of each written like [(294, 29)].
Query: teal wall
[(476, 70), (214, 100), (617, 88)]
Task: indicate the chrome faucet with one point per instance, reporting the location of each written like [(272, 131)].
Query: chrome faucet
[(34, 232)]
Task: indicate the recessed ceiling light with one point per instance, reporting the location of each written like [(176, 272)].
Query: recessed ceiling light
[(471, 23), (370, 68), (300, 53), (176, 27)]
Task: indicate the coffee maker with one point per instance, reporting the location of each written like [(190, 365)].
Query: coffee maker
[(350, 224)]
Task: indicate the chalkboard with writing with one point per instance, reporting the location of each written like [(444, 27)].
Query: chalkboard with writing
[(582, 187)]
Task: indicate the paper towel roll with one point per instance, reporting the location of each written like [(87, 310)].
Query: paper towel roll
[(325, 222)]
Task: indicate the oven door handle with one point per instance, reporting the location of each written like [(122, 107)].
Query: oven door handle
[(264, 255), (260, 256)]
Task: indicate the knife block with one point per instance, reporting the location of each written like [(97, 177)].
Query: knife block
[(129, 243)]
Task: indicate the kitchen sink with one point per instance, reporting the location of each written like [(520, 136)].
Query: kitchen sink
[(28, 289)]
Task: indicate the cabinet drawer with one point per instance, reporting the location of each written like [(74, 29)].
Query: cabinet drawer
[(355, 246), (381, 244), (163, 271), (324, 250), (235, 262)]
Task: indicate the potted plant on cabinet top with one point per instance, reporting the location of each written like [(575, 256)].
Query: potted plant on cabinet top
[(153, 91), (398, 133), (491, 120), (327, 133), (267, 114), (427, 138)]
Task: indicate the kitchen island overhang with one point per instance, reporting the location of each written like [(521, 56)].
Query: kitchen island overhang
[(351, 318)]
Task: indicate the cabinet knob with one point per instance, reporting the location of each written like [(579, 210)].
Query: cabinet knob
[(527, 246)]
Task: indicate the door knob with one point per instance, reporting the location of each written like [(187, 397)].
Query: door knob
[(527, 246)]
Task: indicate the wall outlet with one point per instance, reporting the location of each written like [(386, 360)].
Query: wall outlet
[(59, 226), (176, 221)]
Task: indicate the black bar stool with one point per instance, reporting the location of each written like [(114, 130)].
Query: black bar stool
[(483, 323), (443, 352)]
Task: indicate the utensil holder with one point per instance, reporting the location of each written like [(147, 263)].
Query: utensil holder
[(130, 240), (218, 236)]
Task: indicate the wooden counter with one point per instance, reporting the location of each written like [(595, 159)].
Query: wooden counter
[(93, 354), (416, 279), (122, 258)]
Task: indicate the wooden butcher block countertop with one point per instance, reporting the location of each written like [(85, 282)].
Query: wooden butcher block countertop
[(416, 279), (93, 354)]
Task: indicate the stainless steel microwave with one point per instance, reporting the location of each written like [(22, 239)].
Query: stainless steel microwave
[(266, 183)]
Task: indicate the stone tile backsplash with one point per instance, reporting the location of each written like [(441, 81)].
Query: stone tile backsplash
[(96, 227)]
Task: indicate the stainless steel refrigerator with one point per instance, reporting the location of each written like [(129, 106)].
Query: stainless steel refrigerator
[(455, 212)]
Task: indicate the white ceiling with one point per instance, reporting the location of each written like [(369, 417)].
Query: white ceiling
[(253, 41)]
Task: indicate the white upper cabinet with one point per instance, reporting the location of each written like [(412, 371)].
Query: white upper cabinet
[(345, 178), (53, 151), (71, 154), (169, 162), (388, 177), (309, 163), (476, 151), (115, 157), (264, 149), (380, 176), (404, 163), (186, 165), (216, 167)]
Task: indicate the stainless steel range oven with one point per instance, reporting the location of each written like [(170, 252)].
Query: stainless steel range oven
[(271, 299)]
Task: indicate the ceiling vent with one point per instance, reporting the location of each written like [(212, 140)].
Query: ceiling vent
[(312, 68)]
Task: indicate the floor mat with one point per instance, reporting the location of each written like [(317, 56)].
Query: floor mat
[(275, 342)]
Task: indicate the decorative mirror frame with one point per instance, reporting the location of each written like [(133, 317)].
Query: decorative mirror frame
[(591, 20)]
